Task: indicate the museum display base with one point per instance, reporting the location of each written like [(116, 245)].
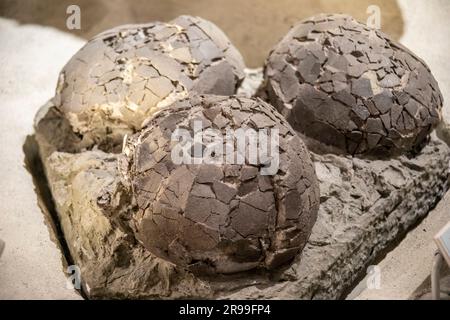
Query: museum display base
[(366, 207)]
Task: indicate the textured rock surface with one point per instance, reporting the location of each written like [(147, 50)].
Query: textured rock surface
[(125, 74), (365, 205), (221, 216), (352, 87), (112, 264)]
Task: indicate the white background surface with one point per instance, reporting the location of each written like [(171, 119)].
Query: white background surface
[(30, 60)]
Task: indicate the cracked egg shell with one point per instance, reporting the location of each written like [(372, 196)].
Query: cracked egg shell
[(220, 217), (352, 87), (123, 75)]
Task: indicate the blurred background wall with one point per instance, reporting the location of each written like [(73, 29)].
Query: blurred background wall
[(254, 26)]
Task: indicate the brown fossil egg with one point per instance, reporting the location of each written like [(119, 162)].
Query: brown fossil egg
[(221, 216), (352, 87)]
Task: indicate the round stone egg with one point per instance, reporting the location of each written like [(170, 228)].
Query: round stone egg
[(123, 75), (209, 202), (351, 87)]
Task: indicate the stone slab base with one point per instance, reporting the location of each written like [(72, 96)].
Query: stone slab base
[(366, 205)]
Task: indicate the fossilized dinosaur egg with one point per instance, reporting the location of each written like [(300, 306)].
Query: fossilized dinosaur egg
[(123, 75), (228, 208), (352, 87)]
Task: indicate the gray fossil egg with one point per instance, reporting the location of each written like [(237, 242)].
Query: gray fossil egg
[(123, 75)]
